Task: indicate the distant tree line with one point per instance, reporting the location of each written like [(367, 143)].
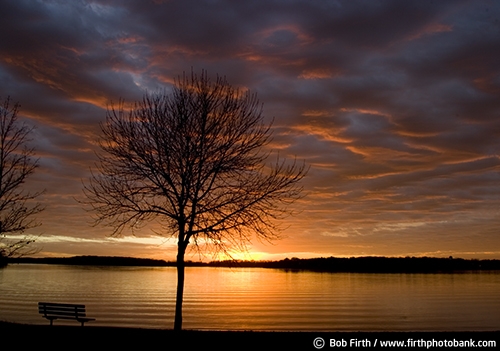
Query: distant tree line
[(324, 264), (386, 264)]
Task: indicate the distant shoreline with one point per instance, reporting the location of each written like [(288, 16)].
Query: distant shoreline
[(368, 264)]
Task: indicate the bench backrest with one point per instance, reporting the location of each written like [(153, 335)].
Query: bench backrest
[(61, 310)]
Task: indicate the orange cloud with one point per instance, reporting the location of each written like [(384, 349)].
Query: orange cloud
[(430, 29), (317, 73)]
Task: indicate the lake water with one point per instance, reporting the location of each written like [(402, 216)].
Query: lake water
[(257, 299)]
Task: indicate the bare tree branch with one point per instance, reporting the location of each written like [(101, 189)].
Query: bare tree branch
[(195, 159), (17, 210)]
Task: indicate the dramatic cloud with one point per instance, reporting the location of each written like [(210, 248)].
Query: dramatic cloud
[(395, 105)]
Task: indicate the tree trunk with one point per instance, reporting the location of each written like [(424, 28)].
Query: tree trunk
[(180, 288)]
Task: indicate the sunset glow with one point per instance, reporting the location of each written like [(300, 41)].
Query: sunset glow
[(394, 105)]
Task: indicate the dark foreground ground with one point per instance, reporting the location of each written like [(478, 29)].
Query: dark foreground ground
[(21, 336)]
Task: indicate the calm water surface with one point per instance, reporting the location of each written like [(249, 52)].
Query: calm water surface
[(257, 299)]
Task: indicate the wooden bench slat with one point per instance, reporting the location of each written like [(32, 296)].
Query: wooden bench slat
[(63, 314), (61, 304), (59, 309)]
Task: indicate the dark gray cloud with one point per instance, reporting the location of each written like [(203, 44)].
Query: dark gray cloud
[(394, 104)]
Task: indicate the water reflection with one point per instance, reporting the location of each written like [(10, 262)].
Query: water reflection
[(257, 299)]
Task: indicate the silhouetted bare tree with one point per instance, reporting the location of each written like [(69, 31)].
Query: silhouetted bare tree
[(194, 159), (17, 209)]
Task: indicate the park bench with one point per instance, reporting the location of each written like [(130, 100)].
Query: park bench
[(52, 311)]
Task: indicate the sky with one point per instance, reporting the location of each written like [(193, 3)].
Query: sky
[(394, 106)]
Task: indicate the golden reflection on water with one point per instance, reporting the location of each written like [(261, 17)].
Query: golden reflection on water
[(257, 299)]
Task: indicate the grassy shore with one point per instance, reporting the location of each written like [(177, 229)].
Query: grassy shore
[(76, 337), (144, 339), (125, 338)]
